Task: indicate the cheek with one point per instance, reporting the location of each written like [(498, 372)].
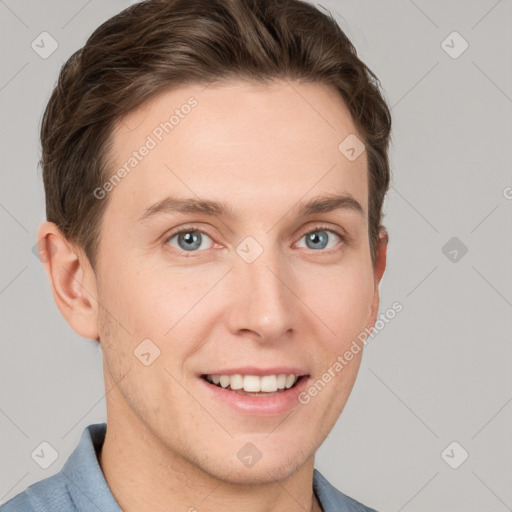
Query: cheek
[(145, 301), (172, 307), (175, 300), (342, 299)]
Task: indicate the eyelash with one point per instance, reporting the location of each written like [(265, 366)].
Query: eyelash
[(320, 227)]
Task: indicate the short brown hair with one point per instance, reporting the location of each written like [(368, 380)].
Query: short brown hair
[(158, 45)]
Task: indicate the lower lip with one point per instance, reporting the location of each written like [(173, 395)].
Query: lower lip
[(261, 405)]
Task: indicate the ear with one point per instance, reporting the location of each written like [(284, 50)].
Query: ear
[(378, 270), (71, 278)]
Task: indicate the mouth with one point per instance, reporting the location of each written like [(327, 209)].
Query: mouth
[(255, 385), (256, 392)]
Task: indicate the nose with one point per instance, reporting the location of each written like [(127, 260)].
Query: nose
[(263, 304)]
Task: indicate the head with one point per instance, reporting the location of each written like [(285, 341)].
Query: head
[(199, 196)]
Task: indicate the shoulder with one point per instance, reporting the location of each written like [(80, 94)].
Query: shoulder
[(333, 500), (79, 483), (47, 495)]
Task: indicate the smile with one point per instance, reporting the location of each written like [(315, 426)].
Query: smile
[(256, 392)]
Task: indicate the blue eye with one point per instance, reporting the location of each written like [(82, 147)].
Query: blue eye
[(195, 240), (319, 239), (189, 240)]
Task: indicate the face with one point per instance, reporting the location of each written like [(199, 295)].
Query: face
[(210, 253)]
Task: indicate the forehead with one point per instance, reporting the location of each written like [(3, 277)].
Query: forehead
[(258, 145)]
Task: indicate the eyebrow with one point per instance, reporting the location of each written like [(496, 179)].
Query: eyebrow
[(322, 204)]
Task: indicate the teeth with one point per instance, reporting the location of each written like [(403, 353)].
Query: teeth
[(281, 381), (236, 381), (254, 383), (269, 383), (290, 381)]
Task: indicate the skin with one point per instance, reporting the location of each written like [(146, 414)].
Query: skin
[(262, 149)]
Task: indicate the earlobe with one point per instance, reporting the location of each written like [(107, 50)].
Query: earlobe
[(71, 278)]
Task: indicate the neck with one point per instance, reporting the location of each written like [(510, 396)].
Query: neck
[(143, 476)]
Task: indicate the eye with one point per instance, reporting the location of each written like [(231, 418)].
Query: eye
[(189, 240), (321, 238)]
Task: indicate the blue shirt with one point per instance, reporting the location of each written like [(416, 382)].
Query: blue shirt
[(81, 487)]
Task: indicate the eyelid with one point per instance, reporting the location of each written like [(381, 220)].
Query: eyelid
[(326, 227), (185, 229)]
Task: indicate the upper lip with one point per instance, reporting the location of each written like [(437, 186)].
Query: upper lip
[(253, 370)]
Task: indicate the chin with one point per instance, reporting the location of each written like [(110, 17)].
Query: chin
[(267, 470)]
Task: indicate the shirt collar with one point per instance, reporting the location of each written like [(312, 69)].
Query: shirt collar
[(86, 483)]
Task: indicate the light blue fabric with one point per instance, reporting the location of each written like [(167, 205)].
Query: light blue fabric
[(81, 487)]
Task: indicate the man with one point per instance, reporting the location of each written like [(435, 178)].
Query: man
[(214, 174)]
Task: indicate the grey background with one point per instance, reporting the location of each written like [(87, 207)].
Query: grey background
[(439, 372)]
